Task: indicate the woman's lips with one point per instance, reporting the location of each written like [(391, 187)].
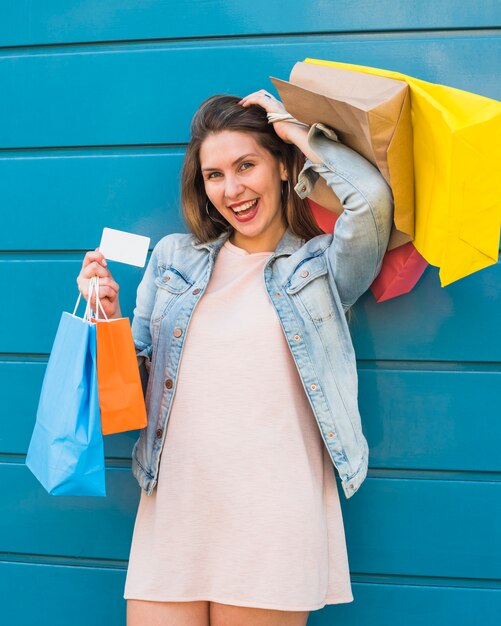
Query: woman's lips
[(250, 215)]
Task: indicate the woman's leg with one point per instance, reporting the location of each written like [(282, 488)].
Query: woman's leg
[(229, 615), (146, 613)]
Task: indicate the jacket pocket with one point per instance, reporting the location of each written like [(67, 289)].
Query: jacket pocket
[(308, 287), (170, 283)]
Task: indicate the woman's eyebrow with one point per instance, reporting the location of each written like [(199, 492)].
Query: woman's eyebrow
[(245, 156)]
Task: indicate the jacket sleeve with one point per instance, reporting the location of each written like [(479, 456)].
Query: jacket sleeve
[(363, 229), (145, 299)]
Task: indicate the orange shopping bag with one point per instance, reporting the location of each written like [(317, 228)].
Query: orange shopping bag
[(120, 392)]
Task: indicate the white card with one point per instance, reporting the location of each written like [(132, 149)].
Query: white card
[(118, 245)]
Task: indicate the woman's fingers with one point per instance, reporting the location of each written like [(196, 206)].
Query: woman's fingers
[(94, 264), (107, 292), (94, 255), (109, 283), (265, 100), (271, 105), (94, 268), (110, 305), (108, 297), (108, 288)]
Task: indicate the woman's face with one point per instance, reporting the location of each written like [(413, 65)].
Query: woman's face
[(240, 175)]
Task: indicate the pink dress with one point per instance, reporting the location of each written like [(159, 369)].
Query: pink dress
[(246, 510)]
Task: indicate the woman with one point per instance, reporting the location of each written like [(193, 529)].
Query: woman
[(240, 523)]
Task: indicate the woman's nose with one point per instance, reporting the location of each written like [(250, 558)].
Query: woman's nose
[(234, 187)]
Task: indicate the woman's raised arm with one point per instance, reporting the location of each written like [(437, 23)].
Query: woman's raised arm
[(363, 229)]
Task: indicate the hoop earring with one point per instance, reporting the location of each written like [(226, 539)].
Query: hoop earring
[(286, 195), (214, 221)]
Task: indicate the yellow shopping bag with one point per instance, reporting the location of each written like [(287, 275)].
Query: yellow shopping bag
[(457, 155)]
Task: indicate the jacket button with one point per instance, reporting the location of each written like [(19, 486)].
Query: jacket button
[(305, 273), (159, 433), (166, 278), (331, 434), (195, 291), (297, 337), (278, 294), (303, 188), (313, 387), (168, 383), (178, 332)]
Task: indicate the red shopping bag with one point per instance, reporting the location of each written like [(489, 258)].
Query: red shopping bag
[(402, 267)]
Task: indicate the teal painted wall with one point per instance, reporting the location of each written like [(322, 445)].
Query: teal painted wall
[(95, 104)]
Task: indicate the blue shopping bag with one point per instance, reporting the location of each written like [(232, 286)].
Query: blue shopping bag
[(66, 452)]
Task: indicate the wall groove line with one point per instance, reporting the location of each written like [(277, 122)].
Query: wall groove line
[(250, 39), (374, 473), (378, 365)]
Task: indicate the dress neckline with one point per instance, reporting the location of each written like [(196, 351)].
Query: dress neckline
[(236, 250)]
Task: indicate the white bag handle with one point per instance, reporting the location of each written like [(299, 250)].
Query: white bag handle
[(98, 301), (93, 290)]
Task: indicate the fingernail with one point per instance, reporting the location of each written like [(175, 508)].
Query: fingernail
[(104, 262)]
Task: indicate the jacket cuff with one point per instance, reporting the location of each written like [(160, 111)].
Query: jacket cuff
[(143, 354), (351, 485), (310, 173)]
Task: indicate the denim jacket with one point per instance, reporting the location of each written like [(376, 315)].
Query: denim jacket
[(311, 285)]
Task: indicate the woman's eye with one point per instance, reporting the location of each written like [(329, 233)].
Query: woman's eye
[(246, 165), (213, 175)]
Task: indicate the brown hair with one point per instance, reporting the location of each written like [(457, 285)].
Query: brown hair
[(220, 113)]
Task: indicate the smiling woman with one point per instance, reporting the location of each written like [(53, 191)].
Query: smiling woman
[(234, 157), (239, 520), (243, 182)]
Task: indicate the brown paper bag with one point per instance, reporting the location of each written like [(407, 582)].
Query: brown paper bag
[(370, 114)]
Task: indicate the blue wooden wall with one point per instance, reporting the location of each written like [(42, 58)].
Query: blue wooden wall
[(95, 102)]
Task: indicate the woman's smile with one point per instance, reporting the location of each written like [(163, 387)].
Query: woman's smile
[(246, 211)]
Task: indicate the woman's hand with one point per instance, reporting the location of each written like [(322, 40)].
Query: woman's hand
[(94, 264), (271, 105), (287, 131)]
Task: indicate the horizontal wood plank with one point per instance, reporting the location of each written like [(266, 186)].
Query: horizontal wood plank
[(72, 195), (91, 20), (425, 528), (412, 419), (34, 522), (454, 323), (385, 522), (20, 386), (123, 95), (65, 591), (61, 595), (409, 605), (432, 420)]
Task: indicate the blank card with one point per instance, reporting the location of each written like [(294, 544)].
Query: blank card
[(118, 245)]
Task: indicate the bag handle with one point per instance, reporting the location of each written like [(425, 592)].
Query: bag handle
[(93, 290), (98, 301)]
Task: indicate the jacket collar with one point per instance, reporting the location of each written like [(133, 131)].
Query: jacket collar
[(289, 243)]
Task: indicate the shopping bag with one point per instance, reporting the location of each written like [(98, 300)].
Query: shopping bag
[(66, 452), (370, 114), (121, 397), (456, 155), (401, 269)]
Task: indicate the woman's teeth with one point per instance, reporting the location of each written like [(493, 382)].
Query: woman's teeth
[(246, 206)]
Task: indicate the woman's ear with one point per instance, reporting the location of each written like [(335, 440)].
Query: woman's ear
[(283, 172)]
